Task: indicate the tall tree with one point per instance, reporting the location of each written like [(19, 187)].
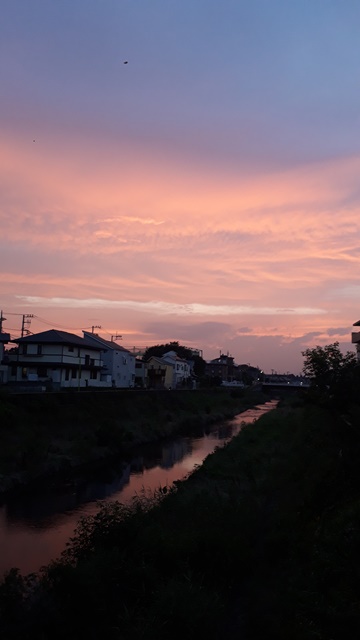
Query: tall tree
[(327, 367)]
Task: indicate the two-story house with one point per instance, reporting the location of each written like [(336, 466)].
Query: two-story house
[(159, 373), (181, 368), (119, 363), (58, 359)]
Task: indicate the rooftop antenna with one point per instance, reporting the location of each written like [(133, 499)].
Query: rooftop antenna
[(96, 326), (116, 337)]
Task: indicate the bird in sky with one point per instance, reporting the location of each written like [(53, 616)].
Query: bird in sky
[(125, 62)]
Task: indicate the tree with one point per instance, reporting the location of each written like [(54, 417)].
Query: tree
[(327, 367)]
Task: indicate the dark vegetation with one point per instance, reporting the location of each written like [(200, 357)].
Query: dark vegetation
[(261, 542), (53, 434)]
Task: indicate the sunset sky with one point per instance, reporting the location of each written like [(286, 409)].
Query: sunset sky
[(208, 191)]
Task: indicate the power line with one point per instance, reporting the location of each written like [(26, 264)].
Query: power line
[(61, 326)]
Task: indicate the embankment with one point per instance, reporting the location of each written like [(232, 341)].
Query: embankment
[(262, 541), (54, 435)]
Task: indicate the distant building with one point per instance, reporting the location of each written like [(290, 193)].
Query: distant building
[(181, 368), (222, 367), (355, 339), (159, 373)]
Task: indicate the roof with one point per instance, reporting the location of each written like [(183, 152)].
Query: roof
[(356, 324), (109, 344), (165, 363), (53, 336), (4, 337), (174, 356)]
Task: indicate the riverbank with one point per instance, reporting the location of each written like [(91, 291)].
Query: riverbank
[(262, 541), (54, 436)]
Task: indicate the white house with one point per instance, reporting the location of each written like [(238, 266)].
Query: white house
[(57, 358), (181, 368), (119, 363)]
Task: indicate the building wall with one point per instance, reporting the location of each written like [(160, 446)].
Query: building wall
[(119, 363), (62, 365)]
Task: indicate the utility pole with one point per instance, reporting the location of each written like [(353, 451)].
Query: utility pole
[(116, 337), (26, 321), (1, 320)]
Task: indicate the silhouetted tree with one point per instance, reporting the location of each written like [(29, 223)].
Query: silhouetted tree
[(328, 368)]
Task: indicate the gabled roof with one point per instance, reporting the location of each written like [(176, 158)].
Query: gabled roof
[(53, 336), (356, 324), (108, 344), (174, 356), (165, 363)]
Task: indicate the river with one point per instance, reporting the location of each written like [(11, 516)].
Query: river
[(34, 528)]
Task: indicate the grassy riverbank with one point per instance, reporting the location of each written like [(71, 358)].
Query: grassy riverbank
[(261, 542), (53, 434)]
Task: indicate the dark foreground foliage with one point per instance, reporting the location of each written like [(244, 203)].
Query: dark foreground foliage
[(50, 435), (261, 542)]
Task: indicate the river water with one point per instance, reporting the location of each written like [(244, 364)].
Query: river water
[(34, 528)]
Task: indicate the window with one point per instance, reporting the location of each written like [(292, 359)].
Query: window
[(13, 369), (67, 374), (24, 372), (71, 348), (73, 373), (39, 349), (87, 361), (24, 349), (42, 372), (93, 375)]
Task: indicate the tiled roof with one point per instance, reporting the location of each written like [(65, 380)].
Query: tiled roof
[(53, 336)]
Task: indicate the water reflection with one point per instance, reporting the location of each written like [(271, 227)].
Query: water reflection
[(34, 528)]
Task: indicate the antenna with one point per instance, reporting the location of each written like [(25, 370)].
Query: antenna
[(96, 326), (116, 337)]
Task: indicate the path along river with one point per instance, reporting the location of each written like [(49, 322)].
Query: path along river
[(34, 528)]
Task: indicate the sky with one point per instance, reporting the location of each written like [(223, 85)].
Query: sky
[(182, 171)]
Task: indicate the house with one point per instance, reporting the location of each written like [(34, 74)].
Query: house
[(181, 368), (159, 373), (4, 339), (222, 367), (58, 359), (119, 363), (355, 339)]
